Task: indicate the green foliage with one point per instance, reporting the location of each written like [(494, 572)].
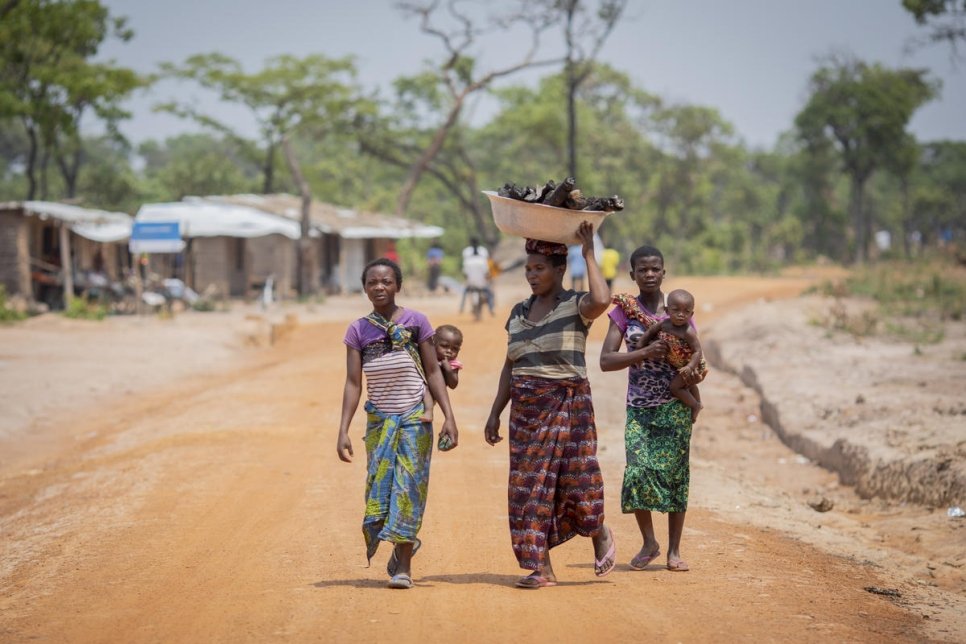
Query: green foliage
[(79, 308), (314, 95), (6, 313), (197, 164), (48, 79), (862, 111)]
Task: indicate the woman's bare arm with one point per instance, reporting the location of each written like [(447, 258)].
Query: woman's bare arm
[(492, 430), (350, 401)]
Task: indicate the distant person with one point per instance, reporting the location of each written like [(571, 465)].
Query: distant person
[(476, 270), (683, 348), (393, 347), (434, 265), (577, 267), (391, 253), (609, 262), (475, 248), (448, 341)]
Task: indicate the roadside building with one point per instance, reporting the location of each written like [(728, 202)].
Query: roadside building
[(347, 239), (231, 250), (39, 238)]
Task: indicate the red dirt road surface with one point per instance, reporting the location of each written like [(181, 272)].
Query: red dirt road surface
[(213, 508)]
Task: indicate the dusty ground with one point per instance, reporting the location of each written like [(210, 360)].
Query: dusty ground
[(205, 503)]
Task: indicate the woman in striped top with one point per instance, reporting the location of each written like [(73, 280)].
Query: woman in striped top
[(393, 346), (555, 489)]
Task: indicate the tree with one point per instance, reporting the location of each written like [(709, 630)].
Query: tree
[(457, 74), (584, 36), (196, 164), (289, 96), (47, 80), (863, 110), (945, 19), (90, 87)]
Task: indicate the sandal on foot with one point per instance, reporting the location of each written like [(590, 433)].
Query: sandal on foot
[(640, 563), (393, 565), (603, 566), (677, 565), (534, 581), (401, 581)]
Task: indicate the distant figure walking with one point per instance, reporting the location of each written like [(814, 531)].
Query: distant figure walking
[(434, 265)]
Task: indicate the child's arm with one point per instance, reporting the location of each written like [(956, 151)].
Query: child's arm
[(451, 376), (650, 335), (350, 401), (691, 336)]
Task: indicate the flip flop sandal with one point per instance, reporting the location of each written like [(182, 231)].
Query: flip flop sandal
[(678, 565), (401, 581), (533, 582), (393, 565), (641, 563), (602, 567)]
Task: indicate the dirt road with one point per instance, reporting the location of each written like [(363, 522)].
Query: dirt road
[(215, 509)]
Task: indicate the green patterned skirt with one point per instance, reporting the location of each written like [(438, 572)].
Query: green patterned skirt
[(657, 441)]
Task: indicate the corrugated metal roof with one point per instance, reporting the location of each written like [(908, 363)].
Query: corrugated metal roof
[(345, 222), (91, 223)]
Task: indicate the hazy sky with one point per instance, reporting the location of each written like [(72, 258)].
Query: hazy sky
[(750, 59)]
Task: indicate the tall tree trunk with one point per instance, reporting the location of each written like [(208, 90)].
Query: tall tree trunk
[(906, 218), (69, 169), (31, 169), (857, 213), (572, 82), (307, 284), (44, 165), (268, 168)]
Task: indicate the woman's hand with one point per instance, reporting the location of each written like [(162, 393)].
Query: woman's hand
[(492, 430), (690, 376), (656, 350), (451, 433), (585, 233), (344, 448)]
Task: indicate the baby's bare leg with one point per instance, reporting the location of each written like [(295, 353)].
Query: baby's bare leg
[(683, 393)]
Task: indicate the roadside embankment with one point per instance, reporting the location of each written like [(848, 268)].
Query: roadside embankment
[(888, 416)]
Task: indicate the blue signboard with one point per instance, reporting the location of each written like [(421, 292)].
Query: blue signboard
[(156, 237)]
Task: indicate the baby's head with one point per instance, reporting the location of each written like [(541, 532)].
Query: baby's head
[(680, 307), (448, 341)]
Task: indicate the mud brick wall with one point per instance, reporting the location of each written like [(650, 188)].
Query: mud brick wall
[(273, 255), (213, 264), (14, 253)]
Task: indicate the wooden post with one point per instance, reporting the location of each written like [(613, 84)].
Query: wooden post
[(65, 264), (138, 288)]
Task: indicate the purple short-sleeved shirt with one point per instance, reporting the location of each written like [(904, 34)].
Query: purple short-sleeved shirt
[(648, 383), (393, 383)]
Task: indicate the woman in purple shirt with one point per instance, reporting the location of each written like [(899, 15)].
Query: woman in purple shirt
[(393, 346), (657, 430)]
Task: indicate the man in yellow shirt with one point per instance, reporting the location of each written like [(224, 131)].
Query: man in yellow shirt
[(609, 260)]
